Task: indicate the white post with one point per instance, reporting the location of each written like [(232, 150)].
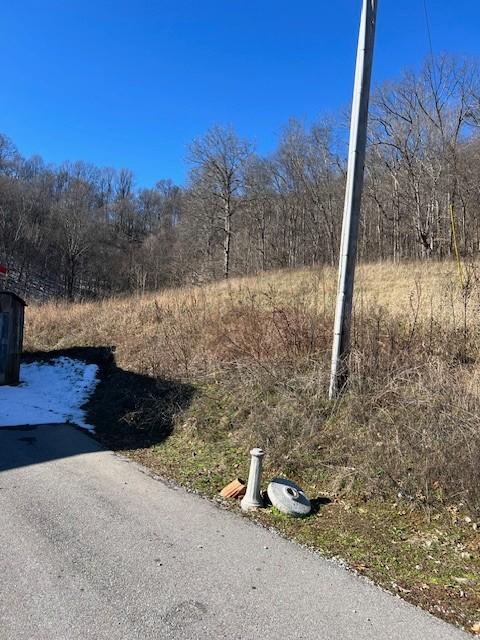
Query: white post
[(253, 499), (353, 194)]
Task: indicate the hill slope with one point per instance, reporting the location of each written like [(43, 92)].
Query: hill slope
[(202, 374)]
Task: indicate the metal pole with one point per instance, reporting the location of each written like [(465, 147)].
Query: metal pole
[(353, 195)]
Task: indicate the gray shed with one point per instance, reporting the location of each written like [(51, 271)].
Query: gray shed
[(12, 309)]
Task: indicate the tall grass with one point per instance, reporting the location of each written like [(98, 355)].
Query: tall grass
[(258, 350)]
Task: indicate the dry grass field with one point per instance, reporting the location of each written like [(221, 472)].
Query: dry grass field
[(398, 454)]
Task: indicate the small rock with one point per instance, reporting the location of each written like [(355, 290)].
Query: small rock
[(403, 590)]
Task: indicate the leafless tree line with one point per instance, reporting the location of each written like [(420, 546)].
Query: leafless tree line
[(80, 231)]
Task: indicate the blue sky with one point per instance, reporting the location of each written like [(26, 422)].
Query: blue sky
[(129, 83)]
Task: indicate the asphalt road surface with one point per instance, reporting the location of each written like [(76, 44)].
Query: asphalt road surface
[(93, 547)]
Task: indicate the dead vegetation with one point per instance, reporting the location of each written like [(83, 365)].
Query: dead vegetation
[(259, 349), (398, 453)]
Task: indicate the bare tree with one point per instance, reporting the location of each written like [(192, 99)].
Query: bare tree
[(218, 162), (78, 230)]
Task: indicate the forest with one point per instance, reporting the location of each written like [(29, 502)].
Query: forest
[(77, 231)]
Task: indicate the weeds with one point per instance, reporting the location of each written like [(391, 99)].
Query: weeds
[(259, 350)]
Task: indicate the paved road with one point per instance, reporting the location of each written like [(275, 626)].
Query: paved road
[(92, 547)]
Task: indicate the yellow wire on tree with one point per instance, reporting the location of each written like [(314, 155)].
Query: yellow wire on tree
[(455, 245)]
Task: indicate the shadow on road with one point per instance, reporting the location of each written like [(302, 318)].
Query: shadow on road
[(128, 411), (30, 445)]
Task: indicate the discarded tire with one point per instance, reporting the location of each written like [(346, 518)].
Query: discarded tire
[(288, 497)]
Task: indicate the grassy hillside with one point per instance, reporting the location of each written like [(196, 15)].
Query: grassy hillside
[(202, 374)]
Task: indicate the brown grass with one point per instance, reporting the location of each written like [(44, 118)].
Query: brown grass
[(244, 363), (257, 349)]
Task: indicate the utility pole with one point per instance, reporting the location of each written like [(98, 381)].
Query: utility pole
[(353, 195)]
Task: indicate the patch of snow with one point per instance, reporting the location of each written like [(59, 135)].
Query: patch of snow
[(49, 393)]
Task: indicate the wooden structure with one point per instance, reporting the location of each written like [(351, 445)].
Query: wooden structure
[(12, 309)]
